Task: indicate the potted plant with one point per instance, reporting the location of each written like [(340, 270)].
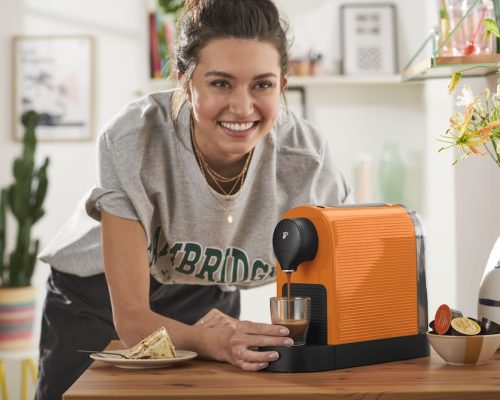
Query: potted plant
[(23, 199)]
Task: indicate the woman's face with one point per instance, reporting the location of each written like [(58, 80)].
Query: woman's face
[(235, 94)]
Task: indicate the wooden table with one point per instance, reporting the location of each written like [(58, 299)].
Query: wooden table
[(417, 379)]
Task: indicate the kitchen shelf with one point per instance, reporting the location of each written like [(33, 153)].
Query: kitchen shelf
[(428, 62), (443, 67), (320, 80)]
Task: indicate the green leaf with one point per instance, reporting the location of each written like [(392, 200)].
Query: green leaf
[(490, 27), (455, 79), (171, 6)]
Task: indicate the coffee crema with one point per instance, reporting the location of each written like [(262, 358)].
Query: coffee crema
[(295, 326)]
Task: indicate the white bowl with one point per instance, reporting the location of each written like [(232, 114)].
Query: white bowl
[(465, 350)]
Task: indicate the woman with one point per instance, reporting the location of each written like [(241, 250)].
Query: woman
[(191, 184)]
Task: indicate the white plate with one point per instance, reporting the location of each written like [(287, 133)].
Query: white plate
[(182, 355)]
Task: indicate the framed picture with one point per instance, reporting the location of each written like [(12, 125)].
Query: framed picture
[(368, 39), (296, 100), (54, 76)]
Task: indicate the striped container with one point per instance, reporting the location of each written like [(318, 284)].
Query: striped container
[(17, 313)]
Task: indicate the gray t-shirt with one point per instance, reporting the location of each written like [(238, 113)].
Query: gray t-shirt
[(148, 172)]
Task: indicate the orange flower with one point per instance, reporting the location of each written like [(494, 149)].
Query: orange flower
[(474, 129)]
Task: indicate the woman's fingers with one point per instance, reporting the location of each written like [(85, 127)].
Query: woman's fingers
[(254, 342), (258, 328), (249, 336), (253, 360), (216, 318)]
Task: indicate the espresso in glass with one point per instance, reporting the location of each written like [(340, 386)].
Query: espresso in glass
[(292, 313), (297, 328)]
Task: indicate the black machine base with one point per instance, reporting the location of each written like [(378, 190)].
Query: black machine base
[(314, 358)]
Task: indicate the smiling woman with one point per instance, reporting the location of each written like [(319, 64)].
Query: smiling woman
[(234, 104), (191, 183)]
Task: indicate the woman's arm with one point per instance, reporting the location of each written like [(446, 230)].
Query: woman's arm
[(127, 274)]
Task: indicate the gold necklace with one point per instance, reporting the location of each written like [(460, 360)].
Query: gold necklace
[(213, 174), (219, 177), (207, 170), (216, 178)]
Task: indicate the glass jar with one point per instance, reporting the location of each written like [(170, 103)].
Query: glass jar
[(475, 32), (468, 37)]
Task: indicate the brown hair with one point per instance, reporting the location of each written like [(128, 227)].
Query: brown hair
[(204, 20)]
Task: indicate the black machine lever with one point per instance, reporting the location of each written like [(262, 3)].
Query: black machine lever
[(294, 242)]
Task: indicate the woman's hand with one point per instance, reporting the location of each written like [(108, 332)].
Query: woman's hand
[(237, 342), (249, 336), (216, 318)]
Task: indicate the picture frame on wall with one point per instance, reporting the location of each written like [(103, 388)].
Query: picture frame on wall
[(54, 76), (368, 39)]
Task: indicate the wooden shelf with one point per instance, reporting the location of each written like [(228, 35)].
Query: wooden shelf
[(443, 67)]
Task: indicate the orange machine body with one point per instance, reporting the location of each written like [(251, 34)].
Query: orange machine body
[(368, 263)]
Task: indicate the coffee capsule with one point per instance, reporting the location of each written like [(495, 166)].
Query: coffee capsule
[(475, 320), (443, 318), (464, 326), (433, 329), (489, 327)]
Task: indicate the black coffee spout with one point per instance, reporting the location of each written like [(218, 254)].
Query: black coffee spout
[(294, 241)]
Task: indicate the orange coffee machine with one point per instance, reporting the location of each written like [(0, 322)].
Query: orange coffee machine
[(363, 267)]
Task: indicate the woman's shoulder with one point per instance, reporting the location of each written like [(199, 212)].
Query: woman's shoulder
[(295, 135), (141, 116)]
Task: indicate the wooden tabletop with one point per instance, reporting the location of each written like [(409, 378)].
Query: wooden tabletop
[(417, 379)]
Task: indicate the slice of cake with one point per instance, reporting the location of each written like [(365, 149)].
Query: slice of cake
[(157, 345)]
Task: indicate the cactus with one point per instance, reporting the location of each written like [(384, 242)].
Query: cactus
[(3, 229), (24, 198), (171, 6)]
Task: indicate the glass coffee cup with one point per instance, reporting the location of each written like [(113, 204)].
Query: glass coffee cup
[(293, 313)]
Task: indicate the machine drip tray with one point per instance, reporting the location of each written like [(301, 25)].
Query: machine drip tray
[(302, 358), (314, 358)]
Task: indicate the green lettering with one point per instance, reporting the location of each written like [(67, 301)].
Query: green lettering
[(192, 254), (209, 267), (153, 246), (257, 267), (164, 251), (173, 251), (239, 259), (222, 277)]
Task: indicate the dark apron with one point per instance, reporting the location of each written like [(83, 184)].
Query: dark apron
[(77, 315)]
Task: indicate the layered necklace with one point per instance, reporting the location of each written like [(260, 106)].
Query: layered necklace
[(219, 180)]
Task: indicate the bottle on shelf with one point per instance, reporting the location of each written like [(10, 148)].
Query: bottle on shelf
[(363, 178), (391, 174)]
